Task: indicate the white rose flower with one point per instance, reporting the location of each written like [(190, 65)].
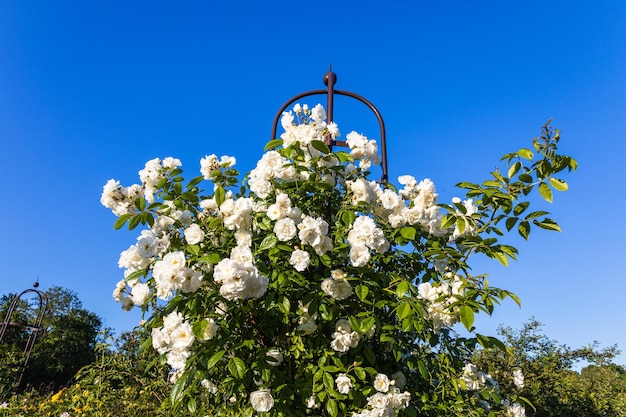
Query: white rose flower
[(312, 402), (140, 293), (342, 290), (359, 256), (208, 165), (518, 378), (285, 229), (209, 386), (192, 280), (228, 161), (300, 260), (262, 400), (327, 286), (182, 336), (160, 340), (381, 383), (172, 321), (343, 383), (515, 410), (210, 330), (318, 113), (378, 401), (194, 234), (399, 400), (333, 129), (177, 359), (147, 244)]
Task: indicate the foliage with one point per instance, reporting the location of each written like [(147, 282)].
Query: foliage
[(67, 342), (116, 383), (308, 289), (550, 383)]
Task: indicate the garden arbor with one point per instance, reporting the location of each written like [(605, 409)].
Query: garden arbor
[(32, 329)]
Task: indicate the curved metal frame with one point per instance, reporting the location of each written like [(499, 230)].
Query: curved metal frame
[(330, 78), (34, 328)]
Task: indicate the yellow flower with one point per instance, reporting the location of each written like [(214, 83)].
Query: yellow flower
[(56, 396)]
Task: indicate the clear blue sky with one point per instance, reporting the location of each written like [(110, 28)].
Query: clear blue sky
[(91, 90)]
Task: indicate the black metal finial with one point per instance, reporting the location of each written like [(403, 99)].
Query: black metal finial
[(330, 76)]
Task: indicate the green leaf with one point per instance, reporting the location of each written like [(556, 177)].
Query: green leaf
[(448, 220), (514, 169), (361, 291), (354, 323), (191, 405), (404, 310), (177, 392), (527, 178), (193, 249), (510, 222), (194, 181), (366, 324), (237, 367), (547, 224), (525, 153), (212, 258), (329, 382), (140, 203), (360, 373), (402, 289), (492, 183), (134, 221), (515, 298), (558, 184), (121, 221), (285, 305), (501, 257), (524, 229), (318, 375), (268, 242), (214, 222), (546, 192), (273, 144), (214, 359), (535, 214), (460, 224), (520, 208), (490, 342), (422, 369), (467, 185), (320, 146), (408, 232), (220, 195), (331, 407), (348, 217), (467, 317)]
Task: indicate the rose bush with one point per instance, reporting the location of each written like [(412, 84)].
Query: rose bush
[(308, 289)]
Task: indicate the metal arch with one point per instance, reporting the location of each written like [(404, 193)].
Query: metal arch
[(330, 78), (33, 328)]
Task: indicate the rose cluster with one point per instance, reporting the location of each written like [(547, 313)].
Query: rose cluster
[(304, 265)]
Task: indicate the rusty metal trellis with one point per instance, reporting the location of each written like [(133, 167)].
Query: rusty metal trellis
[(33, 329), (330, 79)]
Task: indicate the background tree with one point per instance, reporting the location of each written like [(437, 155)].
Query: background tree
[(66, 344), (550, 382)]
